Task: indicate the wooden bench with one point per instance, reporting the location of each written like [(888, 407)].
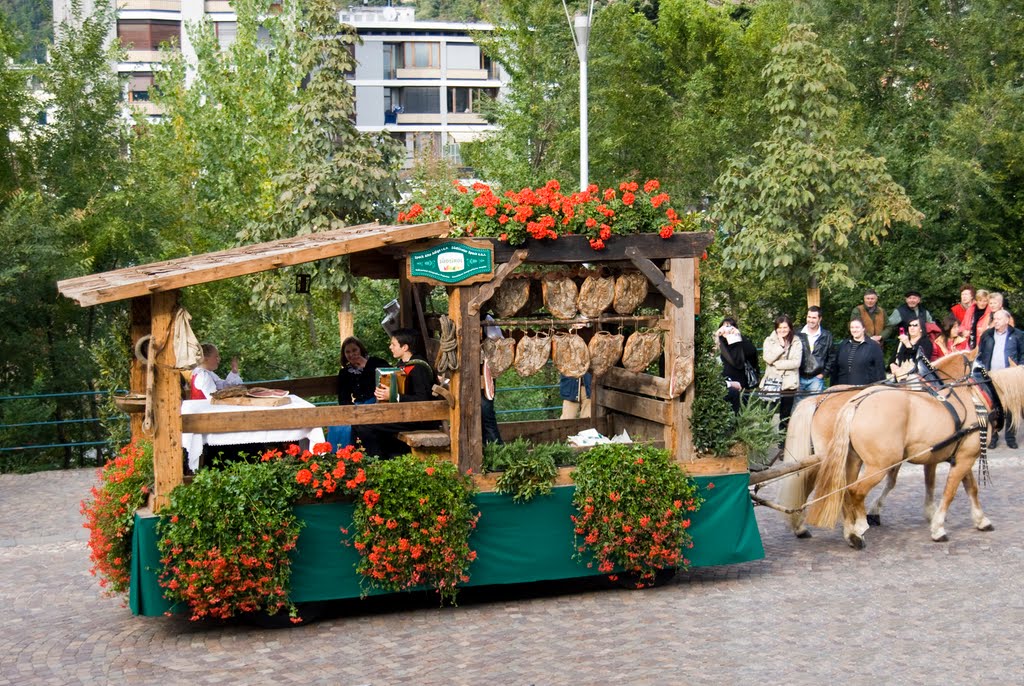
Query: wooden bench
[(423, 443)]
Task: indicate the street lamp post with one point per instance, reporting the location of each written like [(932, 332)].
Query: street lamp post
[(581, 27), (580, 24)]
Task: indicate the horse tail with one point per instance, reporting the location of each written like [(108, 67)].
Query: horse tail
[(1009, 385), (831, 482), (794, 488)]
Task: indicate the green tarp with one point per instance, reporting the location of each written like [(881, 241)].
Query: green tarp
[(515, 543)]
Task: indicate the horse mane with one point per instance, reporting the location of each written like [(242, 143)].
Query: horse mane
[(1009, 385)]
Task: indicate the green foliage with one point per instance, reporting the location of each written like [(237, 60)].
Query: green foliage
[(806, 204), (755, 428), (712, 422), (412, 526), (109, 513), (225, 538), (633, 505), (528, 476)]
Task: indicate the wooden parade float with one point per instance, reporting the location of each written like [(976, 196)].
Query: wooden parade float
[(515, 542)]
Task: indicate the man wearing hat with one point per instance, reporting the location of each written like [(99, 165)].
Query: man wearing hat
[(905, 313)]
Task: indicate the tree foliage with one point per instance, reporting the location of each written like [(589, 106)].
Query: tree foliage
[(805, 203)]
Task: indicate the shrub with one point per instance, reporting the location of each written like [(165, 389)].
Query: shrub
[(412, 525), (633, 505), (127, 481)]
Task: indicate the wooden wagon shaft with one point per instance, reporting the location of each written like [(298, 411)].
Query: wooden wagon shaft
[(334, 415), (783, 468)]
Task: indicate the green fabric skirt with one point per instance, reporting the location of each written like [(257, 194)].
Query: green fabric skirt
[(515, 543)]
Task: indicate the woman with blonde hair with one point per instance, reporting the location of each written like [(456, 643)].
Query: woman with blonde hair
[(976, 319)]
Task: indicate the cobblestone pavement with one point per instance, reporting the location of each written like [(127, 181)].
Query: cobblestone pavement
[(903, 611)]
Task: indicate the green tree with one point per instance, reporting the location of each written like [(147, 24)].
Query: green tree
[(335, 175), (807, 204)]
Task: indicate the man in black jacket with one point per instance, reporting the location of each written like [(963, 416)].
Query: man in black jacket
[(819, 353), (997, 348)]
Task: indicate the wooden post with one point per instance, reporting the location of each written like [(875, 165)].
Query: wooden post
[(137, 375), (679, 342), (167, 455), (466, 430)]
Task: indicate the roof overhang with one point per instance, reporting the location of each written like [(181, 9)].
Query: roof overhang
[(170, 275)]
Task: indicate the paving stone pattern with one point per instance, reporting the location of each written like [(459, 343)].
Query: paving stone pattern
[(903, 611)]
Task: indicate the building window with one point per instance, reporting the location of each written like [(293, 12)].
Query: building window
[(423, 55), (148, 34), (227, 32), (490, 66), (426, 144), (393, 59), (421, 100), (468, 99), (139, 86)]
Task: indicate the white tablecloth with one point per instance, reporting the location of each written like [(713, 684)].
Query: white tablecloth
[(194, 443)]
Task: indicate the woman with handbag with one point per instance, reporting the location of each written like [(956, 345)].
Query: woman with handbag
[(783, 353), (739, 362)]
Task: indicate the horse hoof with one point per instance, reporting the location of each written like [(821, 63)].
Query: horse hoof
[(941, 539), (987, 527), (874, 520), (856, 542), (804, 534)]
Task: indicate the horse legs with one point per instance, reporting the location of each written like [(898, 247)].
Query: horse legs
[(957, 473), (875, 513), (855, 523), (981, 522), (793, 494), (929, 491)]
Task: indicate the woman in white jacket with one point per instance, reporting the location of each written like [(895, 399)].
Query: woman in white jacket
[(783, 352)]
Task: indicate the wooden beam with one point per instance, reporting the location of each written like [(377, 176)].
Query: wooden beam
[(577, 249), (636, 382), (168, 464), (550, 430), (679, 345), (655, 276), (487, 290), (299, 418), (140, 325), (306, 387), (646, 408), (466, 427), (174, 274)]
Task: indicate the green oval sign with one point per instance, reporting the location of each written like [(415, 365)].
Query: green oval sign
[(451, 262)]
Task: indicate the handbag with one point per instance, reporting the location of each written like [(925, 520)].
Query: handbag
[(752, 376), (770, 388)]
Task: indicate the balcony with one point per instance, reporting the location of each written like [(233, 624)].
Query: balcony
[(465, 118), (422, 73), (144, 56), (164, 5), (427, 118), (218, 6), (150, 109), (476, 74)]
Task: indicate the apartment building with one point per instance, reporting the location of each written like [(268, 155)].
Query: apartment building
[(424, 82)]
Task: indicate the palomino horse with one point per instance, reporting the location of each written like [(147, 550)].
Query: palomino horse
[(881, 427), (810, 427)]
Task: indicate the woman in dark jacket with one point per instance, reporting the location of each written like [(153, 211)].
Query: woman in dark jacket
[(859, 361), (735, 355), (911, 342)]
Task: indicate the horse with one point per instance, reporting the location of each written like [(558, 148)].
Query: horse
[(882, 427), (811, 424)]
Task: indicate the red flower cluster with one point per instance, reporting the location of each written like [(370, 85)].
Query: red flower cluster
[(417, 532), (323, 472), (110, 514), (546, 213), (632, 511)]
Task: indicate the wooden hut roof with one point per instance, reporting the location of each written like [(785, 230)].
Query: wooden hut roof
[(169, 275)]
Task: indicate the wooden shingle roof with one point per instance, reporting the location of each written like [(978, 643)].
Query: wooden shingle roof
[(169, 275)]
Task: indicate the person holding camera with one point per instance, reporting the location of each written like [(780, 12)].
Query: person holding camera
[(740, 368)]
